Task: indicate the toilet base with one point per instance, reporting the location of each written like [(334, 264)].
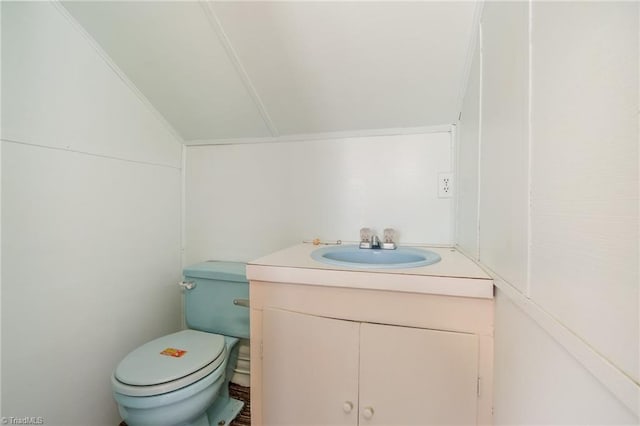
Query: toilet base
[(224, 411), (225, 408), (221, 413)]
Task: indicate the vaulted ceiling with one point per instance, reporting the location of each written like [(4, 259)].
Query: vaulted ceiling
[(220, 71)]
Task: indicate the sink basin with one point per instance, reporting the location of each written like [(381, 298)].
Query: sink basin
[(352, 256)]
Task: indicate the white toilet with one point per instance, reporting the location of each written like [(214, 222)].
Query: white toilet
[(182, 378)]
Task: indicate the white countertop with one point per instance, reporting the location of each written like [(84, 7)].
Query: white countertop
[(454, 275)]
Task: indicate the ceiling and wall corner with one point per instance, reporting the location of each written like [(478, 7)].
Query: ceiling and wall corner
[(230, 72)]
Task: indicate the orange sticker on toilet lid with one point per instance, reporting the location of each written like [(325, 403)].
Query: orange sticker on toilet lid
[(176, 353)]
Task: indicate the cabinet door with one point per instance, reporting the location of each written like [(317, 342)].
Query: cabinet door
[(411, 376), (310, 370)]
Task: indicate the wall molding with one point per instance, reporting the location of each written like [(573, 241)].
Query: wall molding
[(445, 128), (217, 27), (466, 73), (616, 381)]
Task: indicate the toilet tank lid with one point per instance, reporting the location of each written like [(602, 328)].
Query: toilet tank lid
[(217, 270)]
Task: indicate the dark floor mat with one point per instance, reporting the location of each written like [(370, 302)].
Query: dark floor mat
[(241, 393)]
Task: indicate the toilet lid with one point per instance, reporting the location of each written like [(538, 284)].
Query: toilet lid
[(170, 358)]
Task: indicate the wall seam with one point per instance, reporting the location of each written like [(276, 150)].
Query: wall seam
[(477, 14), (323, 136), (1, 146), (116, 69), (91, 154), (183, 227), (217, 27), (480, 96), (638, 173), (453, 167), (530, 152)]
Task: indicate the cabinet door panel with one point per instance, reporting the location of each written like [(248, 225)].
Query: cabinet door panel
[(310, 370), (411, 376)]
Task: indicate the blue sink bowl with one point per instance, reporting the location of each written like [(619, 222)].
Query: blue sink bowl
[(352, 256)]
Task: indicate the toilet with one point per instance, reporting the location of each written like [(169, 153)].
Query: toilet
[(182, 378)]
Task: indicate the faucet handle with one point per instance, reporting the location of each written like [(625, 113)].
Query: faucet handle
[(365, 234), (365, 238), (389, 236)]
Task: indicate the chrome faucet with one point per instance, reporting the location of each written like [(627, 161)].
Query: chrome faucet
[(369, 240)]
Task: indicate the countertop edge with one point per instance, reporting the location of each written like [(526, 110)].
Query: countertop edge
[(369, 280)]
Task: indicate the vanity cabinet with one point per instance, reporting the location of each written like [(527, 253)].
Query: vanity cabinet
[(326, 355), (310, 369), (324, 371)]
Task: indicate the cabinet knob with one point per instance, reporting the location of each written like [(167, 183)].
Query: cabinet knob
[(367, 412), (347, 407)]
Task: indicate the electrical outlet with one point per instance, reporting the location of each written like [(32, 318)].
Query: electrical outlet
[(445, 185)]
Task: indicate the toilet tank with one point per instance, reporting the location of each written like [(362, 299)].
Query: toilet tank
[(209, 305)]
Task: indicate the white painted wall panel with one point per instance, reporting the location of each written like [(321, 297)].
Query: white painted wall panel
[(90, 260), (584, 210), (91, 239), (467, 169), (585, 173), (537, 382), (57, 90), (504, 181), (244, 201)]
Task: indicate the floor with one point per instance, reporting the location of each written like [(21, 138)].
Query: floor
[(241, 393)]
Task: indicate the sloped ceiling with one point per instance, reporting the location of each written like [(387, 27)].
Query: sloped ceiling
[(220, 71)]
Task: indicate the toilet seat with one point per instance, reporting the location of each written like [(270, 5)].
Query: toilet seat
[(169, 363)]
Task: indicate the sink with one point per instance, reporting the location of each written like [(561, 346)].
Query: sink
[(352, 256)]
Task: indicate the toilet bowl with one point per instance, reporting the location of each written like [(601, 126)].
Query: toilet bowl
[(182, 378)]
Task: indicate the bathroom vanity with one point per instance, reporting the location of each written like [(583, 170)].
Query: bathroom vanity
[(341, 346)]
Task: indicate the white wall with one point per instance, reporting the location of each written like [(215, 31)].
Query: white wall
[(560, 239), (504, 131), (585, 137), (91, 246), (467, 161), (244, 201), (538, 382)]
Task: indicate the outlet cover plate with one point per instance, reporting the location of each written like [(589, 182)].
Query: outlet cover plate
[(445, 185)]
